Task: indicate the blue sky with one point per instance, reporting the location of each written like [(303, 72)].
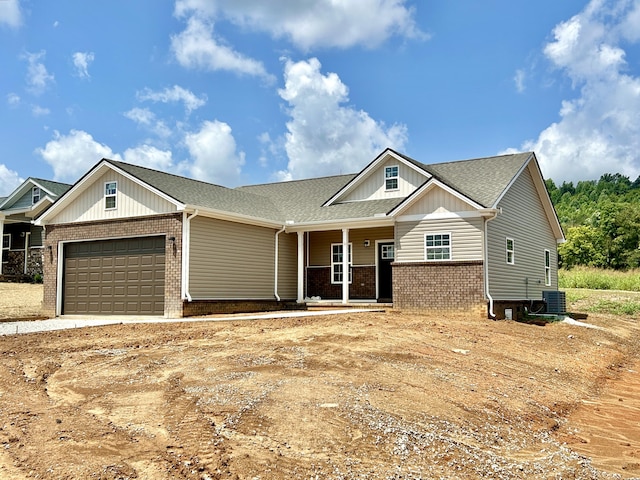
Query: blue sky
[(240, 92)]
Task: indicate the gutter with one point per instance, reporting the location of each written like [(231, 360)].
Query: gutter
[(275, 281), (186, 251), (494, 214)]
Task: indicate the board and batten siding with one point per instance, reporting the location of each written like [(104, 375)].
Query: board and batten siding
[(231, 261), (466, 238), (320, 245), (522, 219), (437, 200), (132, 200), (373, 187)]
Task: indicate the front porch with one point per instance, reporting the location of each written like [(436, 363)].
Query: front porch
[(321, 263)]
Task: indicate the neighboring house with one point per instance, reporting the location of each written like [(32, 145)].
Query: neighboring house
[(469, 235), (22, 241)]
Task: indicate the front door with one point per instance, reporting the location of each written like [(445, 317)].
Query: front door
[(386, 255)]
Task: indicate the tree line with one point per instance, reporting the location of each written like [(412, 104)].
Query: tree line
[(600, 220)]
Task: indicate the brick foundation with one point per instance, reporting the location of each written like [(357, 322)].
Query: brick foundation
[(439, 286), (169, 225), (362, 287), (208, 307)]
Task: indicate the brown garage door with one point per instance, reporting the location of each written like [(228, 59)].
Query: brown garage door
[(114, 277)]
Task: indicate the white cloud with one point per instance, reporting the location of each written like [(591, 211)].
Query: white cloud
[(325, 136), (13, 99), (214, 154), (175, 94), (10, 13), (38, 78), (150, 156), (311, 24), (146, 118), (599, 130), (82, 60), (72, 155), (196, 47), (9, 180), (39, 111), (519, 79)]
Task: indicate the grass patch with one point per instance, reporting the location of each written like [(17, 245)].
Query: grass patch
[(599, 279), (629, 308)]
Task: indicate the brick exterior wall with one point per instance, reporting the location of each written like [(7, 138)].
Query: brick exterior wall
[(362, 287), (171, 225), (439, 286)]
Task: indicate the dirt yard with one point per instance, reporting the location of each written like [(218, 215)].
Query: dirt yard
[(357, 396)]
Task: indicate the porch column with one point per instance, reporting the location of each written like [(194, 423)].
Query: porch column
[(300, 267), (345, 265)]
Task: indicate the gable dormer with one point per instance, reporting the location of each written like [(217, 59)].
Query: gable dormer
[(390, 175)]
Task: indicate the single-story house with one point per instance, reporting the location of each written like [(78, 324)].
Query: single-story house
[(476, 234), (21, 239)]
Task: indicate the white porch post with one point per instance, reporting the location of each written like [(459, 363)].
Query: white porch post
[(345, 265), (300, 267)]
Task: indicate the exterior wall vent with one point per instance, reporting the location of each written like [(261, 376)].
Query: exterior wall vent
[(556, 301)]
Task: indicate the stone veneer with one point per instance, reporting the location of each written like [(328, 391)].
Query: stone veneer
[(439, 286), (169, 225)]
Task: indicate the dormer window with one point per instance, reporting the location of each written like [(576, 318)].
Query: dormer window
[(110, 192), (391, 178), (35, 195)]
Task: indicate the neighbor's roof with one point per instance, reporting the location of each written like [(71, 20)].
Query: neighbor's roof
[(55, 188)]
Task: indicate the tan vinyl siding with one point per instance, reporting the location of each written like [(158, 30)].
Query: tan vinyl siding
[(320, 245), (231, 261), (466, 238), (132, 201), (522, 219), (437, 200), (373, 187), (288, 266)]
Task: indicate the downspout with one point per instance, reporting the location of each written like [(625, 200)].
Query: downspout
[(275, 282), (2, 217), (486, 265), (186, 251)]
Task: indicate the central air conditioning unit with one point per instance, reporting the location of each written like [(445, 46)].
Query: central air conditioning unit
[(556, 301)]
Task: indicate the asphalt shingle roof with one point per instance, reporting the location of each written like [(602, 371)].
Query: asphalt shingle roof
[(56, 188), (203, 194), (482, 179)]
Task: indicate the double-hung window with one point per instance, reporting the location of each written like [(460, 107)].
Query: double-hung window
[(437, 246), (511, 251), (547, 268), (391, 178), (110, 194), (336, 263), (35, 195)]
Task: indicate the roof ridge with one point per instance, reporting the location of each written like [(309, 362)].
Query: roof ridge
[(477, 158), (298, 180), (182, 177)]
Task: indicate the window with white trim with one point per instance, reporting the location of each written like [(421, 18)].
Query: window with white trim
[(391, 178), (511, 251), (437, 246), (336, 263), (35, 195), (6, 246), (110, 193), (388, 252), (547, 267)]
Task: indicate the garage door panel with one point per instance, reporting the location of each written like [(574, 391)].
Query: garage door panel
[(124, 276)]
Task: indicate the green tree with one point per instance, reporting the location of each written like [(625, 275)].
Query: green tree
[(584, 246)]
